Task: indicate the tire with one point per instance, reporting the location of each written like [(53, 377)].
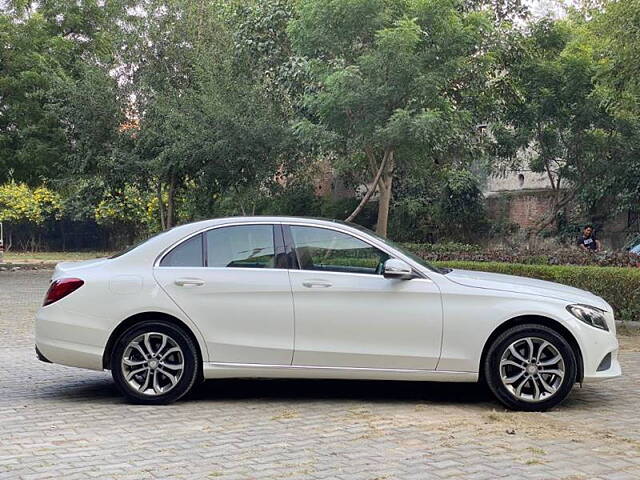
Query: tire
[(520, 380), (155, 363)]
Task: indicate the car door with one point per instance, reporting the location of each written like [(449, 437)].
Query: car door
[(232, 282), (349, 315)]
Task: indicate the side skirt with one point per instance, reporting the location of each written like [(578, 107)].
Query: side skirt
[(252, 370)]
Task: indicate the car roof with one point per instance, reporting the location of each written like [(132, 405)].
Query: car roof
[(179, 232), (267, 218), (200, 224)]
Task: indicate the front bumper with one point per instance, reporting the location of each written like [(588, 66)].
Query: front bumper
[(608, 368), (600, 351), (41, 357)]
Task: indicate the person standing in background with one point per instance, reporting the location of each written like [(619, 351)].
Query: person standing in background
[(587, 241)]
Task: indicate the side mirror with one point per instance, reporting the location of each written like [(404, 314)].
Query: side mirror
[(395, 268)]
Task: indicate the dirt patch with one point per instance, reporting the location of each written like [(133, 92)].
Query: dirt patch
[(629, 343)]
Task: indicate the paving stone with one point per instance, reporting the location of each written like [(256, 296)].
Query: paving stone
[(59, 422)]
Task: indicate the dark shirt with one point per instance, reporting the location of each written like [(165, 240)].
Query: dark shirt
[(588, 242)]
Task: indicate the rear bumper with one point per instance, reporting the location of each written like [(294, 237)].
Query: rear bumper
[(63, 338)]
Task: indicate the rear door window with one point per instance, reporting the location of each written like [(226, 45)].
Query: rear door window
[(188, 254), (241, 246)]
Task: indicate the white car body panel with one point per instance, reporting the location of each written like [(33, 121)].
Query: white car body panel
[(245, 315), (74, 330), (366, 321), (225, 370), (266, 323)]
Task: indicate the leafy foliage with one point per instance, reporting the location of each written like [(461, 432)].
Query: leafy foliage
[(21, 204), (558, 256), (229, 107), (391, 80), (558, 121)]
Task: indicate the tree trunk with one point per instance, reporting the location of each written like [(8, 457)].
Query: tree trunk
[(551, 217), (171, 202), (376, 181), (384, 201), (63, 236), (163, 223)]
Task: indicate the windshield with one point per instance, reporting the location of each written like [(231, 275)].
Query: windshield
[(409, 254)]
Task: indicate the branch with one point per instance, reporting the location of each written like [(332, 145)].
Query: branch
[(545, 222), (367, 196)]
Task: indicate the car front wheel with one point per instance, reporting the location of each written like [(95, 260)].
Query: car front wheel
[(530, 367), (154, 362)]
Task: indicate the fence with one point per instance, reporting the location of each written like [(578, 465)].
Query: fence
[(66, 235)]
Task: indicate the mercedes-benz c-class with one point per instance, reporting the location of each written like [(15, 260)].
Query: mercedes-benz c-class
[(308, 298)]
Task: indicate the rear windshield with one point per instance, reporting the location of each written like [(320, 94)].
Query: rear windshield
[(135, 245)]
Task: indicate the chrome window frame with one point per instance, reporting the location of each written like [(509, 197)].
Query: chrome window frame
[(373, 242), (204, 231)]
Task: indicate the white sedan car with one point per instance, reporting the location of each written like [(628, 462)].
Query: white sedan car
[(307, 298)]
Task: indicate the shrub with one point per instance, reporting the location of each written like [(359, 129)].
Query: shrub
[(560, 256), (21, 204), (618, 286), (27, 213), (434, 251)]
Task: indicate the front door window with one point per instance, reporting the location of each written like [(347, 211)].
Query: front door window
[(325, 250)]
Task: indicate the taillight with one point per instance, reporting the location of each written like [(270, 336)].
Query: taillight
[(61, 288)]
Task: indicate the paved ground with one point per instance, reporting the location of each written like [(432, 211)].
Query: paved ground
[(58, 422)]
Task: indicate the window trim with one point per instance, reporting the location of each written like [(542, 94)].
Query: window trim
[(292, 246), (204, 231), (284, 224)]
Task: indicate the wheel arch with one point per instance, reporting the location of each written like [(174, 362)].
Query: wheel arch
[(541, 320), (139, 317)]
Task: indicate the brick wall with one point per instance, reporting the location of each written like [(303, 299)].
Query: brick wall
[(527, 208), (524, 208)]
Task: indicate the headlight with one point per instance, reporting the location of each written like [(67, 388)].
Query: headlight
[(590, 315)]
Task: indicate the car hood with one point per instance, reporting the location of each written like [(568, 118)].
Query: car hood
[(529, 286)]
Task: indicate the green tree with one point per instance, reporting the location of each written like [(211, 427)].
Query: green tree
[(392, 81), (21, 205), (43, 45), (205, 116), (556, 119), (616, 42)]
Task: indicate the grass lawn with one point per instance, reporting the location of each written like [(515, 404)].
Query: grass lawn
[(51, 257)]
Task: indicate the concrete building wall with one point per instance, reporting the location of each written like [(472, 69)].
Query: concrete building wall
[(516, 180), (523, 198)]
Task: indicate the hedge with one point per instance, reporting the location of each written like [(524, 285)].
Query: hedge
[(618, 286), (445, 252)]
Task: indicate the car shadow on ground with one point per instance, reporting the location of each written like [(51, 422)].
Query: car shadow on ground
[(342, 390), (103, 390)]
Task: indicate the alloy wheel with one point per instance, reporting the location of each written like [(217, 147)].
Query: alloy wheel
[(532, 369), (152, 363)]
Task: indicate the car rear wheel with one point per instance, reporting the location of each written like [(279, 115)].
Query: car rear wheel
[(530, 367), (154, 362)]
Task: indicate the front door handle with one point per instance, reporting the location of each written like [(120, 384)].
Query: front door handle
[(316, 284), (189, 282)]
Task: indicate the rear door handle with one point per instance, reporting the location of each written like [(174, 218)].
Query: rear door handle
[(317, 284), (189, 282)]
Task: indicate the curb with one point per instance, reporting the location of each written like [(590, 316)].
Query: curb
[(14, 267)]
